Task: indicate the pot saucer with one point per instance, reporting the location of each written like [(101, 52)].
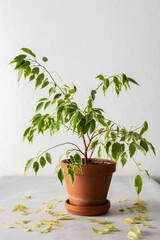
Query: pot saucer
[(88, 210)]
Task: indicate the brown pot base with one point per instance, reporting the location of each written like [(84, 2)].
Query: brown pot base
[(88, 210)]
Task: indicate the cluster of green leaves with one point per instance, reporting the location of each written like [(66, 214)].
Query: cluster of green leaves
[(90, 124)]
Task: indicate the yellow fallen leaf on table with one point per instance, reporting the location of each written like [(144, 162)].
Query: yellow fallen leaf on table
[(1, 210), (50, 205), (23, 212), (128, 220), (122, 200), (35, 225), (142, 218), (46, 230), (38, 210), (121, 209), (27, 197), (148, 226), (55, 214), (43, 202), (103, 222), (25, 221), (19, 207), (106, 230), (48, 222), (8, 226), (16, 222), (23, 228), (55, 200), (134, 232), (132, 235), (65, 218)]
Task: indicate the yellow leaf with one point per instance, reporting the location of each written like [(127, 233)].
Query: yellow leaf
[(55, 200), (27, 197), (65, 218), (103, 222), (122, 200), (1, 210), (128, 220), (19, 207), (25, 221), (23, 212), (55, 214), (39, 210), (132, 235), (48, 222), (148, 226), (136, 230), (100, 231), (8, 226), (35, 225), (50, 206), (142, 218), (23, 228), (16, 222), (121, 209), (43, 202), (46, 230)]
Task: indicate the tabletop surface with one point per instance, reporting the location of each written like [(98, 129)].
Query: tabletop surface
[(14, 189)]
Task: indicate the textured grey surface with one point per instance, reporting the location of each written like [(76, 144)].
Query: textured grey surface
[(14, 189)]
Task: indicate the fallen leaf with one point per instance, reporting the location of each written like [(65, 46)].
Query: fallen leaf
[(103, 222), (122, 200), (23, 212), (35, 225), (148, 226), (25, 221), (46, 230), (1, 210), (55, 200), (50, 205), (134, 232), (27, 197), (48, 222), (128, 220), (23, 228), (132, 235), (19, 207), (55, 214), (43, 202), (16, 222), (100, 231), (39, 210), (121, 209), (65, 218), (142, 218), (8, 226)]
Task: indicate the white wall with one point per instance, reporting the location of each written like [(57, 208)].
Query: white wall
[(82, 39)]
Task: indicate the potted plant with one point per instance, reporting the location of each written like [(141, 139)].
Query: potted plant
[(87, 178)]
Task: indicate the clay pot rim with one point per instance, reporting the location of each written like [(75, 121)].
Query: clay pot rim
[(101, 169)]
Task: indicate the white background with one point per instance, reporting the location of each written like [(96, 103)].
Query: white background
[(81, 39)]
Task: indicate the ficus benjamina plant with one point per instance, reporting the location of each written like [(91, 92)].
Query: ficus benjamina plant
[(89, 124)]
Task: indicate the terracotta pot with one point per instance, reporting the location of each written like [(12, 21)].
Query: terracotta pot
[(91, 185)]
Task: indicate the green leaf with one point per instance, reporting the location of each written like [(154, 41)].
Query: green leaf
[(152, 147), (42, 99), (39, 106), (94, 144), (19, 75), (18, 58), (92, 126), (57, 96), (101, 119), (140, 148), (100, 77), (132, 149), (70, 173), (28, 164), (133, 81), (118, 85), (61, 175), (93, 94), (39, 79), (144, 145), (138, 184), (78, 160), (45, 83), (123, 159), (19, 64), (144, 128), (116, 149), (35, 70), (100, 152), (51, 91), (48, 158), (147, 174), (41, 126), (27, 50), (31, 77), (44, 59), (47, 104), (27, 71), (36, 167), (26, 132), (42, 161)]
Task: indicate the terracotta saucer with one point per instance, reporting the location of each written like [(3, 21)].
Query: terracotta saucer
[(88, 210)]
